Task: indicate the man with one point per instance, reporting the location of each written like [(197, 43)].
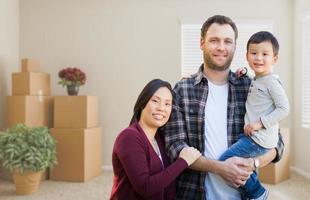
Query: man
[(208, 114)]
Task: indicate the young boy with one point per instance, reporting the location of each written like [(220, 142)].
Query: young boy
[(266, 105)]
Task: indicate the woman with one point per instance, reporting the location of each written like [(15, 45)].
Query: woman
[(140, 164)]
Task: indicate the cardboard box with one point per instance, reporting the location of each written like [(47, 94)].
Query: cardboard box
[(76, 111), (78, 154), (30, 110), (30, 65), (31, 83), (277, 172)]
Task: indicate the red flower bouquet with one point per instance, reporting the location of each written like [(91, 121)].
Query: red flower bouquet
[(71, 76)]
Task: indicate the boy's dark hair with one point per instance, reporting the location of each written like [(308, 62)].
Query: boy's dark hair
[(264, 36), (219, 19), (146, 94)]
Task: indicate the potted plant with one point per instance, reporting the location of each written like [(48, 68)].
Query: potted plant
[(27, 152), (72, 78)]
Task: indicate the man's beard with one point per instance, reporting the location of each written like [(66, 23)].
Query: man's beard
[(208, 61)]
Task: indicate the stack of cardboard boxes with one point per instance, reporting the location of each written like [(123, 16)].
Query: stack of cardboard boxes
[(30, 102), (78, 138)]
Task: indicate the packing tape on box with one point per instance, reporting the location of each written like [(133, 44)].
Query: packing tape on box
[(40, 95)]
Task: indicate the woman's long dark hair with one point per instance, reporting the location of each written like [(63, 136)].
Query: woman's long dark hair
[(146, 94)]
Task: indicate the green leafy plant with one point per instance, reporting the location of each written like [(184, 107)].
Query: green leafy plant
[(71, 76), (24, 148)]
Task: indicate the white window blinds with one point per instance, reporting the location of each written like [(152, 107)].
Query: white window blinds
[(306, 72), (192, 55)]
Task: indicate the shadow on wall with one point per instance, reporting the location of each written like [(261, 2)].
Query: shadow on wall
[(3, 93)]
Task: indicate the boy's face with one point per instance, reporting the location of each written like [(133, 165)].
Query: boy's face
[(261, 58)]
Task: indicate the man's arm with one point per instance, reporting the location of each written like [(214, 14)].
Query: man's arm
[(279, 149), (174, 131), (273, 155), (234, 170), (266, 158)]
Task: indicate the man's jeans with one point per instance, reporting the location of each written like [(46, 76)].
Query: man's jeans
[(245, 147)]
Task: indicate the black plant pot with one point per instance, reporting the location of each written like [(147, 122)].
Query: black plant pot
[(73, 90)]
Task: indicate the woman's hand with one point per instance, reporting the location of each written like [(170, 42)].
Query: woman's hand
[(189, 154)]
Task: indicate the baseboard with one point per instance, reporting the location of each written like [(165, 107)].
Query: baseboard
[(107, 168), (300, 172)]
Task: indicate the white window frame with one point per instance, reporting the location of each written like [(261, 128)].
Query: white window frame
[(192, 55), (306, 72)]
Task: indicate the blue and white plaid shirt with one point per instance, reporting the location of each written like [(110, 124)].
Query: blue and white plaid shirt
[(186, 125)]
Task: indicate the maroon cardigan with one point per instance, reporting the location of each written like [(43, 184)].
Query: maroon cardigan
[(138, 172)]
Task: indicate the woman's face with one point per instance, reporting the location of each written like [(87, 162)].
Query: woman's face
[(158, 109)]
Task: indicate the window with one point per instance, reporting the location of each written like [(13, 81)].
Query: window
[(192, 55), (306, 72)]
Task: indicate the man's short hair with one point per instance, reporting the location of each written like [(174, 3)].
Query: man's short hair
[(219, 19), (264, 36)]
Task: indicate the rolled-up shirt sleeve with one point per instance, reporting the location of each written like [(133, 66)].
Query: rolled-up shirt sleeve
[(279, 148), (175, 131)]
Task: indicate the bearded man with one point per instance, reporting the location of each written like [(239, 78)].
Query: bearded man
[(208, 114)]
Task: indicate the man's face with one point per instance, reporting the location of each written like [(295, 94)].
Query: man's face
[(218, 46)]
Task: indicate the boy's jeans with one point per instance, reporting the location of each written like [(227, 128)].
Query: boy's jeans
[(245, 147)]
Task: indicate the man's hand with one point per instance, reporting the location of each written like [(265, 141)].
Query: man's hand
[(236, 170), (251, 127), (240, 72)]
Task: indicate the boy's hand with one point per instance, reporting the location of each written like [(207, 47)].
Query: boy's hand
[(251, 127)]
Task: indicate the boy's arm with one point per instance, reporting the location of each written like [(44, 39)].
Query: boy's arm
[(280, 101)]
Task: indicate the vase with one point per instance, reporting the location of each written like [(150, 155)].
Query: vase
[(27, 183), (73, 90)]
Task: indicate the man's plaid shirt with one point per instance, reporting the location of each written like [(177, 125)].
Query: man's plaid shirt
[(186, 125)]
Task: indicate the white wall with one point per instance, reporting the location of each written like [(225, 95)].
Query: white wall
[(122, 44), (301, 135), (9, 49)]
